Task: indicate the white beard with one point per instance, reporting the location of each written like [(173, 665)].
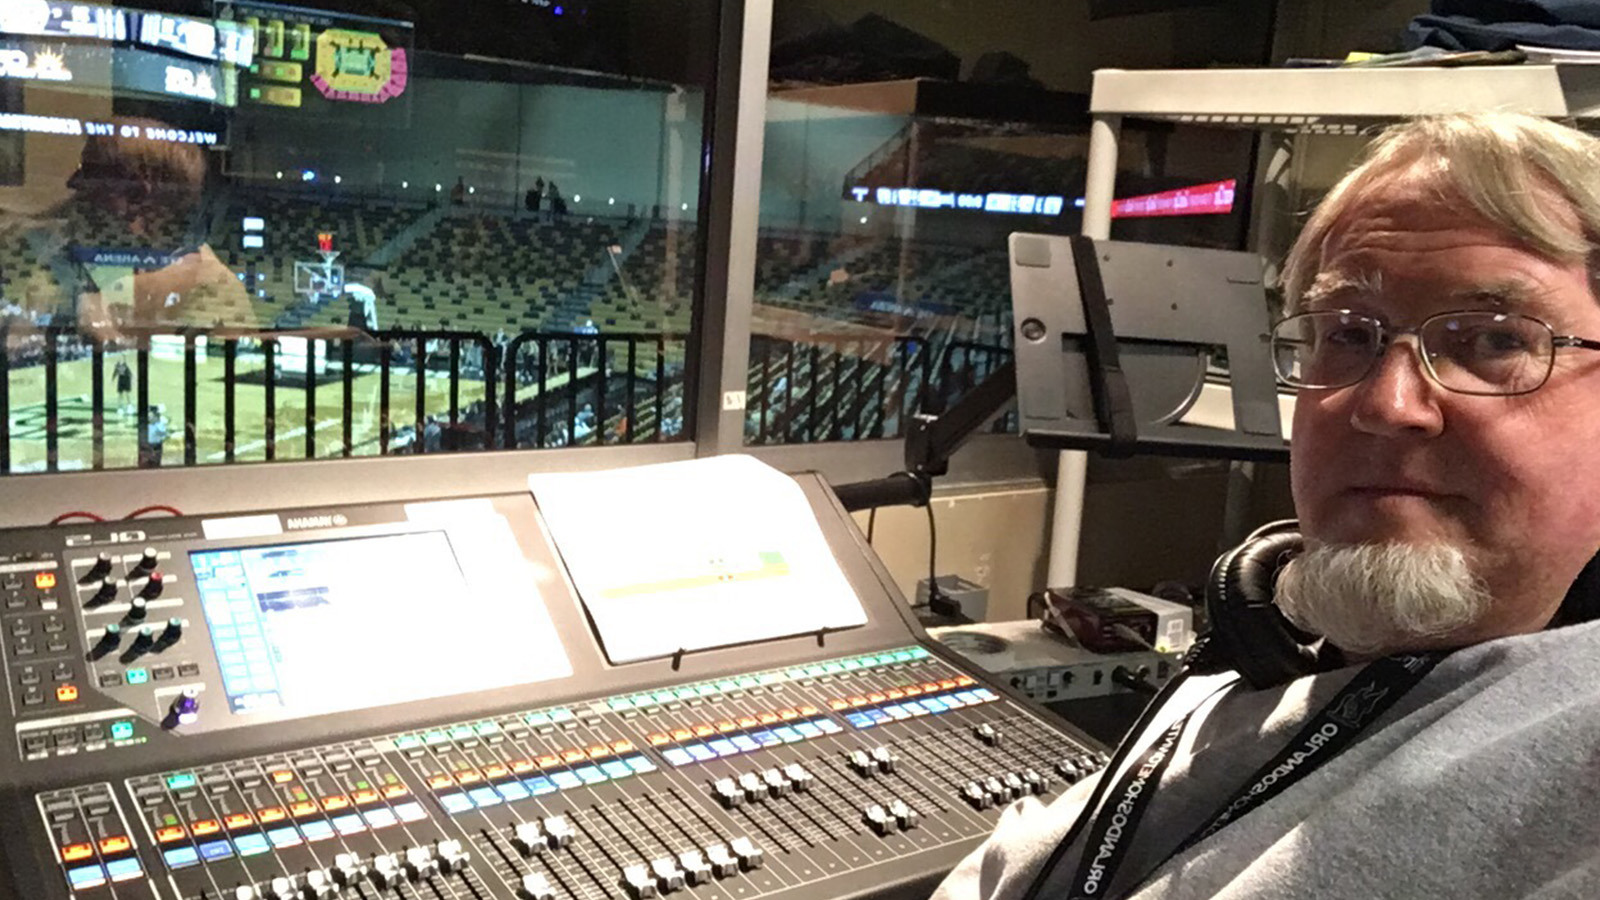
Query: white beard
[(1377, 599)]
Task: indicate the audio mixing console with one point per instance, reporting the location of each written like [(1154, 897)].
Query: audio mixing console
[(409, 701)]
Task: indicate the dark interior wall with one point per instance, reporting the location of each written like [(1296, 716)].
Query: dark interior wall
[(1059, 39)]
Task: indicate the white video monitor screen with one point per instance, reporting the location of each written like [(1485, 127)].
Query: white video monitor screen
[(333, 625)]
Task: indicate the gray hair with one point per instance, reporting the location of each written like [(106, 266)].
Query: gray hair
[(1505, 166)]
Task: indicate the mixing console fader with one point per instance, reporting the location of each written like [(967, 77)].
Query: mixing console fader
[(408, 701)]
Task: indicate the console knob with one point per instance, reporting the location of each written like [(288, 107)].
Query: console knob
[(104, 592), (137, 608), (174, 630), (111, 638), (99, 569), (147, 559), (152, 586), (144, 638), (186, 709)]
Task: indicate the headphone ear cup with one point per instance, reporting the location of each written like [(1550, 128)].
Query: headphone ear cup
[(1582, 603), (1249, 632)]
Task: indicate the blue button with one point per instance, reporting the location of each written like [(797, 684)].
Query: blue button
[(121, 731), (878, 716), (180, 781), (455, 804), (379, 818), (565, 780), (986, 695), (513, 790), (591, 774), (933, 705), (284, 837), (138, 676), (970, 696), (94, 876), (766, 738), (807, 729), (828, 726), (897, 711), (316, 831), (859, 720), (212, 851), (641, 764), (178, 858), (484, 796), (540, 785), (616, 768), (677, 756), (251, 844), (700, 752), (745, 742), (349, 823), (787, 734), (723, 747), (129, 868), (955, 700)]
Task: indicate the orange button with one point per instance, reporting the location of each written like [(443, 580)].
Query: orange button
[(930, 686), (808, 710), (747, 722), (912, 690), (546, 762), (622, 746), (496, 771), (725, 725), (205, 827), (440, 782), (67, 693), (875, 698), (767, 718), (237, 820), (303, 808), (75, 852), (572, 755), (44, 581), (964, 680), (681, 734), (395, 790), (657, 739), (704, 730), (270, 814), (522, 765), (857, 701), (837, 704), (787, 714), (114, 844), (282, 777), (599, 750), (366, 796), (948, 683), (468, 776), (337, 801), (169, 834), (893, 694)]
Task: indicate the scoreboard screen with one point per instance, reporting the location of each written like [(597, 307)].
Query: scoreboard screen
[(322, 63)]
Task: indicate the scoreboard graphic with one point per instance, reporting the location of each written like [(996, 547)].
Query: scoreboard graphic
[(321, 63)]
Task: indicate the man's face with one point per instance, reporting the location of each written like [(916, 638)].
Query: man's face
[(1512, 481)]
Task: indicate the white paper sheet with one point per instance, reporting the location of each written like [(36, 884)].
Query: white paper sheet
[(696, 554)]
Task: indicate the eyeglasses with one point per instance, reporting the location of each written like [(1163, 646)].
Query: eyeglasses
[(1470, 352)]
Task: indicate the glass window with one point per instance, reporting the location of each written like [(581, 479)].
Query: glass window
[(906, 141), (235, 230)]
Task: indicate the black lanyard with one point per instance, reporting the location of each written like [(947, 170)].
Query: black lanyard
[(1373, 690)]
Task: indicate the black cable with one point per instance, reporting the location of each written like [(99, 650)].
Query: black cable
[(938, 603), (872, 520)]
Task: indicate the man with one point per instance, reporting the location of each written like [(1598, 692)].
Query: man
[(1443, 466), (156, 432)]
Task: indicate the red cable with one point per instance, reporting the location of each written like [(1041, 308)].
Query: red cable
[(76, 514), (154, 507)]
